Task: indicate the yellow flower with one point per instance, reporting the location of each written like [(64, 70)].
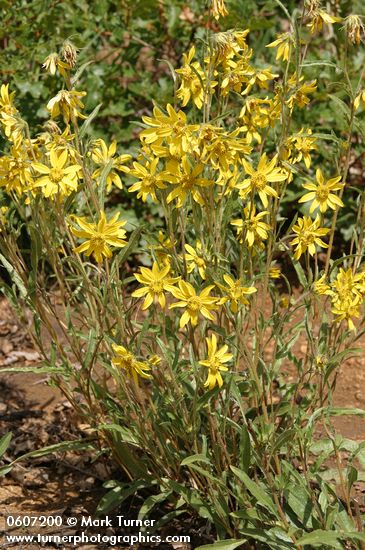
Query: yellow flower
[(257, 114), (235, 293), (193, 302), (195, 259), (359, 98), (215, 363), (229, 180), (345, 311), (219, 9), (57, 179), (68, 103), (303, 144), (172, 126), (100, 236), (14, 128), (188, 181), (321, 194), (308, 235), (149, 181), (228, 44), (6, 100), (274, 272), (192, 81), (284, 42), (321, 287), (224, 149), (104, 156), (127, 361), (15, 172), (236, 73), (261, 77), (321, 362), (162, 251), (346, 296), (156, 282), (53, 62), (163, 152), (300, 95), (266, 173), (252, 229), (320, 17), (347, 286)]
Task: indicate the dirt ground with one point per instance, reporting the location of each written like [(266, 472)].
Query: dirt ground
[(71, 485)]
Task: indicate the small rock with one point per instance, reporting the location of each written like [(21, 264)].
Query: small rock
[(6, 347)]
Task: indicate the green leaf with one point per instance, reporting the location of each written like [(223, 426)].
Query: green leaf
[(258, 492), (14, 276), (172, 70), (245, 449), (64, 446), (342, 107), (5, 470), (283, 438), (193, 498), (36, 247), (320, 64), (334, 411), (195, 458), (151, 501), (36, 370), (354, 536), (271, 539), (124, 434), (4, 443), (352, 476), (301, 275), (208, 475), (79, 72), (319, 537), (118, 494), (126, 250), (89, 120), (229, 544), (301, 504), (167, 518)]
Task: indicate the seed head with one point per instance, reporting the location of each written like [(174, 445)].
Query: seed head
[(69, 53), (354, 27), (52, 127)]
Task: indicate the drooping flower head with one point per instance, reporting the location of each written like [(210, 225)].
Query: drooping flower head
[(127, 361)]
